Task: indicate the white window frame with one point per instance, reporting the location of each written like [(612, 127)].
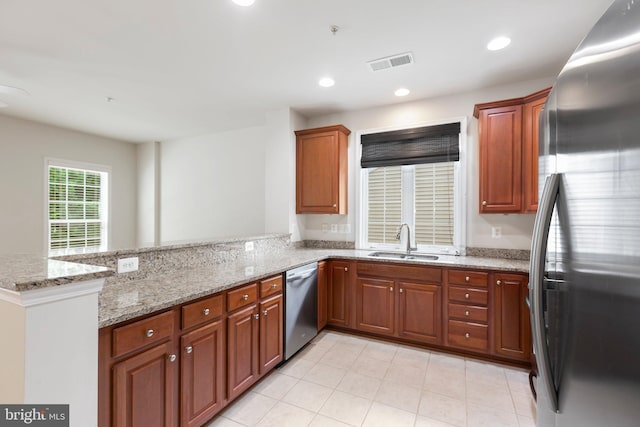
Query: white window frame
[(106, 187), (460, 193)]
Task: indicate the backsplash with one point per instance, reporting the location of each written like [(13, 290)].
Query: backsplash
[(168, 258)]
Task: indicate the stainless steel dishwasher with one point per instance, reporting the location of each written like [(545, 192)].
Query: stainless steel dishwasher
[(301, 308)]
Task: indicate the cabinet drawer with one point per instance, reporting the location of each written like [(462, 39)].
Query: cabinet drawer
[(468, 335), (472, 278), (202, 311), (468, 295), (469, 313), (242, 296), (143, 332), (270, 286)]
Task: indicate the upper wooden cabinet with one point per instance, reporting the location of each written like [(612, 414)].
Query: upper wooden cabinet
[(508, 153), (321, 170)]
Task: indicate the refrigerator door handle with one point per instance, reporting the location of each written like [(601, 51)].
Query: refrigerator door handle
[(536, 288)]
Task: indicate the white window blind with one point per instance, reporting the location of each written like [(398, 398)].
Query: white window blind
[(434, 200), (385, 204), (77, 215)]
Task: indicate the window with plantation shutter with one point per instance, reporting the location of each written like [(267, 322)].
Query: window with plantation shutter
[(419, 187), (77, 209)]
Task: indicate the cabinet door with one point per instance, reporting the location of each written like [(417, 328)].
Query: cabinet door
[(203, 373), (317, 173), (322, 295), (531, 113), (500, 146), (271, 344), (144, 389), (375, 299), (420, 312), (512, 328), (242, 350), (338, 294)]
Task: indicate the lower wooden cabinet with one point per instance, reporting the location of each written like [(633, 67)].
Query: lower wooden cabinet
[(339, 294), (375, 305), (242, 350), (144, 389), (512, 325), (271, 333), (420, 312), (202, 373)]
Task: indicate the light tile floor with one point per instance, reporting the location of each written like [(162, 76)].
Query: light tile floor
[(343, 380)]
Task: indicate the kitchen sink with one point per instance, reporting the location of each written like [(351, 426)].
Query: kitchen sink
[(400, 255)]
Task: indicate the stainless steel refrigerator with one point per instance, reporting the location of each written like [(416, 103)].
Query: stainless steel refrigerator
[(585, 254)]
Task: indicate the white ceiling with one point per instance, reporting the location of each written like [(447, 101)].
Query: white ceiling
[(178, 68)]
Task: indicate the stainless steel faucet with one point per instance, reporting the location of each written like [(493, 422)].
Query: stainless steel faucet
[(408, 246)]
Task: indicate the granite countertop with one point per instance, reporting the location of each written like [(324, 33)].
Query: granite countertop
[(120, 301), (25, 272)]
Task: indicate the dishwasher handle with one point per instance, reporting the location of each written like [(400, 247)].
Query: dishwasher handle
[(303, 275)]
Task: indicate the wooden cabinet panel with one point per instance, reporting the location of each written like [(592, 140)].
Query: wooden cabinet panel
[(531, 140), (322, 294), (473, 336), (500, 146), (420, 312), (338, 293), (271, 286), (200, 312), (512, 326), (242, 297), (468, 278), (321, 170), (469, 313), (202, 373), (468, 295), (271, 333), (242, 350), (142, 333), (375, 299), (143, 389)]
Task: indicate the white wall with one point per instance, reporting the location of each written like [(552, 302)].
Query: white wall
[(516, 229), (148, 170), (23, 147), (213, 185)]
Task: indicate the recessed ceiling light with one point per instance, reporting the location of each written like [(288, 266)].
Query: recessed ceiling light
[(326, 82), (244, 3), (403, 91), (499, 43)]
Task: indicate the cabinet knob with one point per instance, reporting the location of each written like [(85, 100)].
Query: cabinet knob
[(206, 311), (466, 313), (484, 203), (467, 335), (467, 278), (245, 297), (256, 316), (335, 205), (390, 288), (150, 333), (466, 296), (274, 286), (188, 349), (401, 290), (172, 357), (346, 269), (499, 283), (264, 313)]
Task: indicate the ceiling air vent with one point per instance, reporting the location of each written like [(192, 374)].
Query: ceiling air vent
[(391, 62)]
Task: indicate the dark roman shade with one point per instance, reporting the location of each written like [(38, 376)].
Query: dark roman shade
[(429, 144)]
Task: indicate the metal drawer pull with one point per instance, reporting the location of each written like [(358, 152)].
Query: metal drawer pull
[(484, 203), (466, 313), (256, 316), (150, 333), (499, 283), (189, 349), (245, 297), (467, 335), (467, 278), (206, 311), (274, 286), (466, 296), (391, 289), (265, 312), (172, 358), (401, 290), (346, 269)]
